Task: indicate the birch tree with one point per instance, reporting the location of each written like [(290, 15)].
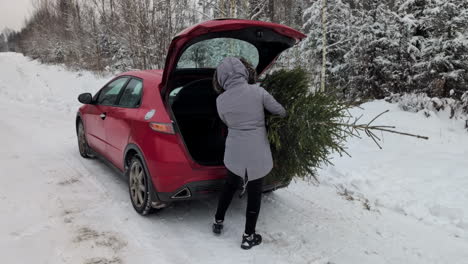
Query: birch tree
[(323, 74)]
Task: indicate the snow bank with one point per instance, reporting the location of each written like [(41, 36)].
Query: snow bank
[(427, 180), (444, 107)]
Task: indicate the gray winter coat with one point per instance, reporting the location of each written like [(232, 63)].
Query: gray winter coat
[(241, 107)]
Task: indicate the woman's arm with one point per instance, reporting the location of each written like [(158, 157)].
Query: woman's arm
[(221, 116), (270, 104)]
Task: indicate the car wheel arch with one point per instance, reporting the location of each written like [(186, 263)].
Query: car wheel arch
[(130, 151)]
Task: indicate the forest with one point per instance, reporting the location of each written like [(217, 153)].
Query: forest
[(357, 49)]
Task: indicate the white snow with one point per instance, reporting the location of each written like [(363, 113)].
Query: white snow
[(27, 81), (427, 180), (56, 207)]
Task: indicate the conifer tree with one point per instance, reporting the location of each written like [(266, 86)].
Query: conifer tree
[(317, 125)]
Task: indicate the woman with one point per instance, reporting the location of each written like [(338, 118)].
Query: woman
[(247, 156)]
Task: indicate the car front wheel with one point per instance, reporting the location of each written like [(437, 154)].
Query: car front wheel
[(139, 187), (82, 142)]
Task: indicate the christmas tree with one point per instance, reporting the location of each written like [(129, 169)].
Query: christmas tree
[(317, 125)]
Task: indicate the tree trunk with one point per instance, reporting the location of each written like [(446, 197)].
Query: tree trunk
[(324, 46), (271, 10)]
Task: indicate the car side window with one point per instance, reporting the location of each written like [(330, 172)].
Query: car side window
[(110, 93), (131, 96)]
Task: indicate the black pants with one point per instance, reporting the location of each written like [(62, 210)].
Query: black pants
[(254, 200)]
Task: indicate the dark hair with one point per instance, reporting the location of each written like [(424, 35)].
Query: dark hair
[(252, 71), (252, 79), (216, 86)]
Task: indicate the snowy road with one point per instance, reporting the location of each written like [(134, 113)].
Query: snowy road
[(56, 207)]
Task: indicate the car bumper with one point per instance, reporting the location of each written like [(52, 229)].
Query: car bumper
[(205, 189), (193, 191)]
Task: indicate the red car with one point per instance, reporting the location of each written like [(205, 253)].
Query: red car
[(160, 127)]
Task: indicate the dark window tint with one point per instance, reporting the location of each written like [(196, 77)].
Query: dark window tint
[(132, 94), (109, 94)]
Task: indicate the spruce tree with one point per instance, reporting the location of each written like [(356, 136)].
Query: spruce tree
[(299, 143), (317, 125), (444, 64)]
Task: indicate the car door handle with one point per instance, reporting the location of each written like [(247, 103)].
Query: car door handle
[(103, 116)]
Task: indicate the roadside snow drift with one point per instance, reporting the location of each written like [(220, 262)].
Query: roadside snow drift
[(403, 204)]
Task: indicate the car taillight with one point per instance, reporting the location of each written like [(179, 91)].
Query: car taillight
[(167, 128)]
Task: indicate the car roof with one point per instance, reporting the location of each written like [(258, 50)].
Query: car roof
[(145, 74)]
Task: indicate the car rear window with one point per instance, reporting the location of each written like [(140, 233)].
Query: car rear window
[(209, 53)]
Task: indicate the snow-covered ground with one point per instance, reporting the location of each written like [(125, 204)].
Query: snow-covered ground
[(427, 180), (56, 207)]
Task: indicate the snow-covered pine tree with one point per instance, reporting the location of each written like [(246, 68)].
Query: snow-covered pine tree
[(373, 63), (444, 64), (340, 34)]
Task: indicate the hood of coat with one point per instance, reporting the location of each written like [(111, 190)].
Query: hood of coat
[(232, 73)]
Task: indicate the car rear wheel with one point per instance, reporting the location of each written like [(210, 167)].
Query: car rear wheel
[(139, 187), (83, 146)]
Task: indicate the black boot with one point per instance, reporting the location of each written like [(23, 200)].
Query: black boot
[(218, 226), (249, 241)]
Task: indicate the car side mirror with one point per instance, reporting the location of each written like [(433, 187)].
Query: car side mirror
[(85, 98)]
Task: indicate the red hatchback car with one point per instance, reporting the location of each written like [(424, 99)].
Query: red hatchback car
[(160, 127)]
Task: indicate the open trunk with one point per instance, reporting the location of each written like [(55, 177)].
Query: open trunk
[(194, 109), (193, 56)]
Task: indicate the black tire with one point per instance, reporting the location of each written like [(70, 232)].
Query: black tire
[(139, 187), (83, 146)]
